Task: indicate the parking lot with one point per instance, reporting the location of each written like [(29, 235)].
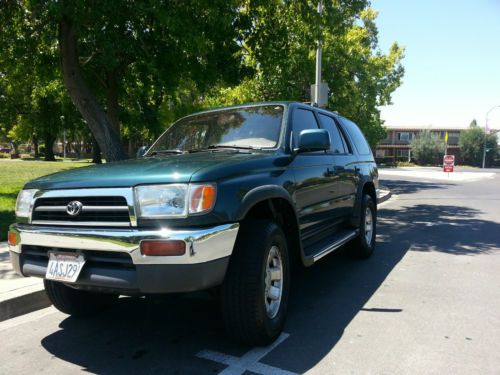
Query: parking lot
[(425, 302)]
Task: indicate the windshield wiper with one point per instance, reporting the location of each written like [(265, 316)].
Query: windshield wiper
[(157, 152), (231, 146), (222, 147)]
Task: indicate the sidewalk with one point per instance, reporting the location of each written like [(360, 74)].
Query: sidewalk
[(18, 295)]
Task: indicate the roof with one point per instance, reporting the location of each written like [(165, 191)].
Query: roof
[(425, 127)]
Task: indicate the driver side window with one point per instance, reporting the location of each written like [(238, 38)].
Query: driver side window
[(302, 119)]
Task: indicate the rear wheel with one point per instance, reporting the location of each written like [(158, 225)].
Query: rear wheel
[(255, 291), (364, 245), (76, 302)]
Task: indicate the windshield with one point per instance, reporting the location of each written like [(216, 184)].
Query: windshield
[(248, 127)]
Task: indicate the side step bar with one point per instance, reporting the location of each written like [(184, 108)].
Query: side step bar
[(335, 245)]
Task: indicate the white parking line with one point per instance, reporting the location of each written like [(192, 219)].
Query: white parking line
[(249, 361)]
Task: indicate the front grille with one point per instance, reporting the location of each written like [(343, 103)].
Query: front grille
[(108, 211), (108, 259)]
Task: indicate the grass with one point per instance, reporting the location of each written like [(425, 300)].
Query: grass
[(13, 175)]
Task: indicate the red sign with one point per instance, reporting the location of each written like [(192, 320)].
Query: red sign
[(448, 163)]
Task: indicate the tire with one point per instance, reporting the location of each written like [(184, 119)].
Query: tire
[(76, 302), (361, 246), (250, 315)]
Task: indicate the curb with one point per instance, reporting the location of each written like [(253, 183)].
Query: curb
[(23, 304), (383, 194), (18, 295)]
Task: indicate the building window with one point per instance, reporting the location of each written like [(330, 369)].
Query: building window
[(380, 153), (402, 153), (453, 138), (404, 136)]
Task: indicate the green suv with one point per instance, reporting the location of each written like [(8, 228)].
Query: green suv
[(228, 199)]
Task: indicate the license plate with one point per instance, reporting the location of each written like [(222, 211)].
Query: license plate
[(64, 267)]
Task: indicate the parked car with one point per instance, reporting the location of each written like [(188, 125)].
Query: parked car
[(227, 199)]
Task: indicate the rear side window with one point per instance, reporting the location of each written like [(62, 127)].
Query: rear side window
[(357, 137), (337, 144), (302, 120)]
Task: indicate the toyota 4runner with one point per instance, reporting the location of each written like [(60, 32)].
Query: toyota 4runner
[(227, 198)]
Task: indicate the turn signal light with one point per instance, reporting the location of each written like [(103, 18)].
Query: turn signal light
[(202, 198), (163, 248), (12, 238)]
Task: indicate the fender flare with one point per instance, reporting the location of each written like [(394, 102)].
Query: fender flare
[(262, 193)]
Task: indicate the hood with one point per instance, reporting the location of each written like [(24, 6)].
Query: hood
[(166, 169)]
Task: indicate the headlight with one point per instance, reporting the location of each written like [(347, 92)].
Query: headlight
[(174, 200), (23, 203)]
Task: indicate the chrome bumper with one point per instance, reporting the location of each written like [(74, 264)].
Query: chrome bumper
[(202, 245)]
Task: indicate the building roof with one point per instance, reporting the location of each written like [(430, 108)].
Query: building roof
[(425, 127)]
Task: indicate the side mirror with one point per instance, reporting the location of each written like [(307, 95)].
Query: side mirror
[(141, 151), (313, 140)]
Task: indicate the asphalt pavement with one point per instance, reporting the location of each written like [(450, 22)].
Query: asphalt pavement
[(426, 302)]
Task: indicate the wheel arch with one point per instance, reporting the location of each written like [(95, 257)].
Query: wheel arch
[(275, 203), (367, 187)]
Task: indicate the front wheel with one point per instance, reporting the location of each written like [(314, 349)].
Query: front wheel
[(255, 291), (364, 245), (76, 302)]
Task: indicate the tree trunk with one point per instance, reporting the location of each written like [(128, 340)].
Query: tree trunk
[(35, 146), (96, 152), (112, 106), (97, 120), (49, 148)]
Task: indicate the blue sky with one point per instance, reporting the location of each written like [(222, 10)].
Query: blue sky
[(452, 60)]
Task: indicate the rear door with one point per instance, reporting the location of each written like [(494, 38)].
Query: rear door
[(341, 168)]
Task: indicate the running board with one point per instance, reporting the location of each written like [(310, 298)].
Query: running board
[(335, 245)]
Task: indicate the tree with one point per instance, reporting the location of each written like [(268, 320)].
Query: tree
[(279, 45), (143, 46), (131, 66), (471, 144), (116, 56), (32, 97), (427, 148)]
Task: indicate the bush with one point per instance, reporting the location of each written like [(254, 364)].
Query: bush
[(426, 148)]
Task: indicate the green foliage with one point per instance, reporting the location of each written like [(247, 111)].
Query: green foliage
[(471, 144), (279, 46), (427, 148), (32, 94), (151, 62)]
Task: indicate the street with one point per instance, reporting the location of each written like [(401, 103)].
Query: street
[(427, 301)]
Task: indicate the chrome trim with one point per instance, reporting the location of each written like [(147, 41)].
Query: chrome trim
[(70, 223), (84, 208), (127, 193), (51, 208), (205, 244), (335, 245)]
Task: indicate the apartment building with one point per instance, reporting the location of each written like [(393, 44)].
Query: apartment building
[(396, 144)]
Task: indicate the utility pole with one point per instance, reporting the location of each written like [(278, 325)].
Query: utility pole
[(486, 132), (319, 91), (318, 55)]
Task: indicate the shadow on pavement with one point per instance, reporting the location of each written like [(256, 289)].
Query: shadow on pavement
[(163, 336), (408, 187), (449, 229)]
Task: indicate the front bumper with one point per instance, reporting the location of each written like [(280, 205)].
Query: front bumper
[(115, 263)]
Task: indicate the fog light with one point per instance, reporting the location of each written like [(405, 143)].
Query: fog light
[(163, 248), (12, 238)]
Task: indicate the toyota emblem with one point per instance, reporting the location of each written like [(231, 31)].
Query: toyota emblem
[(74, 208)]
